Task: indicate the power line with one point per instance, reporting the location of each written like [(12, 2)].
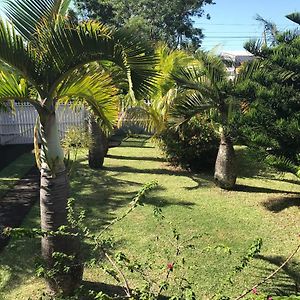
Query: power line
[(238, 24), (232, 37), (224, 32)]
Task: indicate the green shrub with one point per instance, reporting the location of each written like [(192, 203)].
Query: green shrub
[(193, 146)]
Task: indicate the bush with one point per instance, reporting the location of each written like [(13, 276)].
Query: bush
[(193, 146)]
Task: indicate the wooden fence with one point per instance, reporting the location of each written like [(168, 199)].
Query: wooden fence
[(17, 127)]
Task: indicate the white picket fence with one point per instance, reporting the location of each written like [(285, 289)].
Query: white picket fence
[(18, 127)]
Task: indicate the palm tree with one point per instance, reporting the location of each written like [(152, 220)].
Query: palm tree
[(99, 146), (206, 89), (100, 136), (153, 113), (44, 51)]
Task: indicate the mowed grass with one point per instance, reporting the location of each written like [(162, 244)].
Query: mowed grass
[(264, 206)]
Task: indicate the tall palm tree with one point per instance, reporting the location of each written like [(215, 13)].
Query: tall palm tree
[(206, 89), (43, 51)]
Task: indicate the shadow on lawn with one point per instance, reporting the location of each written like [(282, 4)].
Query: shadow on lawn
[(286, 281), (101, 193), (114, 291), (126, 169), (276, 205), (137, 142), (149, 158), (258, 189)]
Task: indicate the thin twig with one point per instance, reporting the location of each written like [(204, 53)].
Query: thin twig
[(127, 289), (271, 275), (147, 187)]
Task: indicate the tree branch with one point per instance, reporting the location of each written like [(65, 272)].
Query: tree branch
[(271, 275)]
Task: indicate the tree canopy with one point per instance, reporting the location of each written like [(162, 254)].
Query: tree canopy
[(168, 21), (272, 119)]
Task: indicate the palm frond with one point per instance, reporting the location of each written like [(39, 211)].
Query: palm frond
[(270, 30), (213, 67), (189, 77), (141, 116), (27, 14), (294, 17), (66, 48), (13, 89), (190, 104), (139, 59), (17, 54), (248, 69), (95, 90)]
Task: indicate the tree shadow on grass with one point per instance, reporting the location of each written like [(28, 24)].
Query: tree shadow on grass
[(113, 291), (286, 180), (258, 189), (141, 158), (126, 169), (162, 202), (286, 281), (202, 180), (277, 205), (136, 142)]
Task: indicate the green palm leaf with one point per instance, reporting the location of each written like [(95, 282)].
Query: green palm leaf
[(295, 17), (13, 89), (96, 90), (27, 14), (191, 103), (66, 48), (17, 54)]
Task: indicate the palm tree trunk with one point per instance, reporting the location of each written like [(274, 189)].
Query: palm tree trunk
[(99, 146), (225, 167), (54, 195)]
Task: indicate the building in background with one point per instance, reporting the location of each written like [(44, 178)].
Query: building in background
[(237, 58)]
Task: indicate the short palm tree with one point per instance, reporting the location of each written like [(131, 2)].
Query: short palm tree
[(206, 89), (42, 51)]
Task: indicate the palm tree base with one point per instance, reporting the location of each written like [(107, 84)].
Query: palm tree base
[(225, 167), (99, 146), (65, 284), (60, 252), (96, 162)]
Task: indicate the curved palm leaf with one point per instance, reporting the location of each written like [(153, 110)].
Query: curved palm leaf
[(67, 48), (153, 115), (96, 90), (190, 104), (213, 66), (295, 17), (17, 54), (27, 14), (13, 89)]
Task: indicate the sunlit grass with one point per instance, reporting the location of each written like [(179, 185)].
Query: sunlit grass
[(264, 206)]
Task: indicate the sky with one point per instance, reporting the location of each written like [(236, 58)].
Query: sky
[(233, 22)]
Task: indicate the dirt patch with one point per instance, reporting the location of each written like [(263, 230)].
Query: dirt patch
[(15, 205)]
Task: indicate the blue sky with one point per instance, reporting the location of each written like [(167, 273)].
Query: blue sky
[(233, 21)]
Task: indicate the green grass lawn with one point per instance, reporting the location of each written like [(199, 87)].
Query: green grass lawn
[(264, 206)]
